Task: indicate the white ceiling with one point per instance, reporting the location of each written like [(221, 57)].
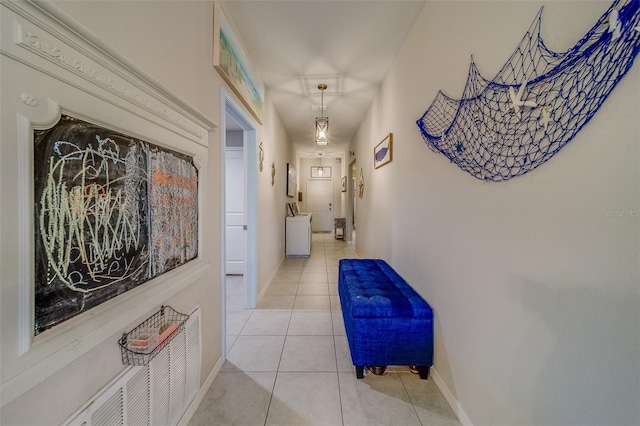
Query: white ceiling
[(295, 45)]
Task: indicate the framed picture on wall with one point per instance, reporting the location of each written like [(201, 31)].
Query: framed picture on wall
[(292, 181), (234, 65), (344, 184), (383, 152)]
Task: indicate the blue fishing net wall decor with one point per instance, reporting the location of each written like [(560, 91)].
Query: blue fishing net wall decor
[(538, 101)]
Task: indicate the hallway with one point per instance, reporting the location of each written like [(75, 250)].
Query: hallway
[(288, 361)]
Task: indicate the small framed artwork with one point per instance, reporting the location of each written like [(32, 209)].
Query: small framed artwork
[(292, 181), (383, 152), (320, 172), (344, 184), (291, 212)]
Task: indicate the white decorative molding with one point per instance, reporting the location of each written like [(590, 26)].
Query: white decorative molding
[(26, 231), (63, 343), (43, 121), (25, 234), (129, 311), (56, 67), (199, 162), (34, 43), (29, 99)]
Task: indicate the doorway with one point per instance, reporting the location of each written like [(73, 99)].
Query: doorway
[(235, 197), (352, 193), (320, 204), (239, 209)]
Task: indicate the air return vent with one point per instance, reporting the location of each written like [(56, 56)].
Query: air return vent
[(158, 394)]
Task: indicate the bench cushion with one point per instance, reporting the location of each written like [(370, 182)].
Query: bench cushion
[(372, 289)]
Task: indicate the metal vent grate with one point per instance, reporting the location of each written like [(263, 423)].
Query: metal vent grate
[(138, 398), (110, 413), (155, 395)]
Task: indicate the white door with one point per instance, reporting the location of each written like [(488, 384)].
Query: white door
[(235, 211), (320, 204)]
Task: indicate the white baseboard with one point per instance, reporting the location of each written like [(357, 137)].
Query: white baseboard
[(193, 407), (450, 397)]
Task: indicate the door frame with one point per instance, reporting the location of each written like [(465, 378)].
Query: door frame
[(240, 151), (330, 181), (350, 202), (229, 106)]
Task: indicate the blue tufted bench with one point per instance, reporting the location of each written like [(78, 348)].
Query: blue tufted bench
[(387, 322)]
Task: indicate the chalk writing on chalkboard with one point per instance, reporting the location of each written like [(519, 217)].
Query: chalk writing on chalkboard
[(96, 225)]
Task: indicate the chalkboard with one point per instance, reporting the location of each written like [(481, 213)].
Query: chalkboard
[(106, 216), (173, 202)]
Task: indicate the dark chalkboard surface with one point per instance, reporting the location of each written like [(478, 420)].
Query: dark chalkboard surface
[(102, 204)]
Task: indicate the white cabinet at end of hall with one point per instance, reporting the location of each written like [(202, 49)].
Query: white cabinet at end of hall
[(298, 235)]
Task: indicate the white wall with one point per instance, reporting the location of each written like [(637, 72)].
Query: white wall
[(272, 199), (170, 42), (535, 288)]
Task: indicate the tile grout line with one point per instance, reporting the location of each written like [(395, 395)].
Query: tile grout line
[(273, 388), (335, 347), (413, 404), (283, 344), (291, 312)]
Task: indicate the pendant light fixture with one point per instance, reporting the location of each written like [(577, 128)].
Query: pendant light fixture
[(322, 123)]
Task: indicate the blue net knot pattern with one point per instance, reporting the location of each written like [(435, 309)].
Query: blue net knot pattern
[(537, 102)]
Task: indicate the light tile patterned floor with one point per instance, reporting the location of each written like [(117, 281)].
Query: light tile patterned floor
[(288, 361)]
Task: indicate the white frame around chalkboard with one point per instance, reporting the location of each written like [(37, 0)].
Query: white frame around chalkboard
[(117, 235), (59, 68)]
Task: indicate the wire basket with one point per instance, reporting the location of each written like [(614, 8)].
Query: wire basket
[(143, 343)]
